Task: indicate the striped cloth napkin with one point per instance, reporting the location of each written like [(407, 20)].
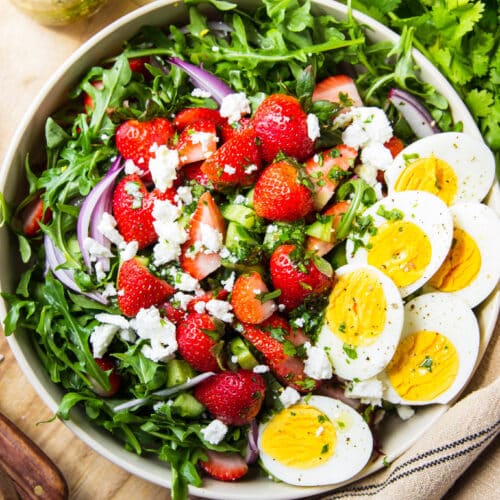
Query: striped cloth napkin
[(431, 467)]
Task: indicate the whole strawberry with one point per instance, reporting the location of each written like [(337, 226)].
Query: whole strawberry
[(134, 139), (133, 209), (139, 289), (236, 162), (280, 193), (235, 398), (198, 342), (295, 279), (281, 125)]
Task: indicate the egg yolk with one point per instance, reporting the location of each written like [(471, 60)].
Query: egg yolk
[(424, 366), (429, 174), (300, 436), (357, 307), (401, 250), (461, 265)]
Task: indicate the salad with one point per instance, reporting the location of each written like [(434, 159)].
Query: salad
[(251, 240)]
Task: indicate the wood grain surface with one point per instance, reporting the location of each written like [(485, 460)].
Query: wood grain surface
[(29, 53)]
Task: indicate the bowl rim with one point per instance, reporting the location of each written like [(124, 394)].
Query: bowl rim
[(127, 460)]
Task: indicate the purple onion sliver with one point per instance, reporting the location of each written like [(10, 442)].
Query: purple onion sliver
[(92, 210), (418, 117), (203, 79), (252, 437)]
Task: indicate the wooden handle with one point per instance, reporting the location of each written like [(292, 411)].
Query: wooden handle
[(35, 476)]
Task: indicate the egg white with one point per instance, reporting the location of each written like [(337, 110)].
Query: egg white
[(483, 226), (353, 448), (426, 211), (470, 158), (370, 359), (448, 316)]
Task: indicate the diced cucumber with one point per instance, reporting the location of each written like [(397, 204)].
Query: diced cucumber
[(338, 255), (178, 372), (186, 405), (250, 198), (244, 357), (321, 229), (241, 214), (236, 234)]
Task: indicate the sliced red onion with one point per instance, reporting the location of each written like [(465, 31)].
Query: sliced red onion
[(203, 79), (98, 201), (414, 112), (252, 437), (53, 259), (335, 392), (165, 392)]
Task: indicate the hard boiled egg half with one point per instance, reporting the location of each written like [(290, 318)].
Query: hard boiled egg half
[(317, 441), (409, 236), (437, 352), (471, 269), (363, 322), (453, 166)]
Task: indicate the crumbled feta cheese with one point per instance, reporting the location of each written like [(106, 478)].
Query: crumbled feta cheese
[(163, 167), (129, 250), (367, 124), (214, 432), (234, 106), (281, 307), (100, 274), (405, 412), (251, 168), (377, 156), (317, 365), (96, 249), (234, 359), (200, 306), (239, 200), (164, 252), (289, 397), (299, 322), (229, 170), (107, 227), (112, 319), (204, 94), (109, 291), (127, 335), (229, 282), (183, 299), (148, 324), (184, 281), (370, 391), (260, 369), (204, 139), (185, 195), (225, 253), (211, 239), (313, 131), (132, 168), (101, 337), (220, 309)]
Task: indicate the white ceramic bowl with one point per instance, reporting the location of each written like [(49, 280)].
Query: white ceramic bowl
[(396, 436)]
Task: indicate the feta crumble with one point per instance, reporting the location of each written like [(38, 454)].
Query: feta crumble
[(260, 369), (317, 365), (163, 166), (204, 94), (101, 337), (405, 412), (313, 130), (220, 309), (234, 106), (289, 397), (370, 391), (214, 432)]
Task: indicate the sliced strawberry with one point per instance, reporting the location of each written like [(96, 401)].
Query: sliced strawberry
[(224, 465), (134, 139), (395, 145), (193, 172), (269, 339), (236, 163), (32, 215), (200, 255), (280, 195), (234, 398), (138, 65), (173, 314), (245, 299), (198, 141), (281, 125), (321, 247), (189, 116), (139, 289), (336, 89), (229, 130), (133, 209), (198, 342), (115, 380), (295, 282), (325, 170)]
